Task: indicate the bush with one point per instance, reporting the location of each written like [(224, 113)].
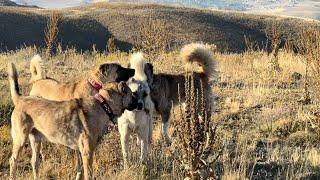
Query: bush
[(154, 37)]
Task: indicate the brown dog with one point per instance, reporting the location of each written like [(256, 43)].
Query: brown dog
[(164, 87), (61, 91), (77, 123)]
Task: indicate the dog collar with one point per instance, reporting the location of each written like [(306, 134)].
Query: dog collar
[(105, 106), (95, 84)]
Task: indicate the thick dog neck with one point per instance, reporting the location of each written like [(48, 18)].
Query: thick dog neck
[(105, 106)]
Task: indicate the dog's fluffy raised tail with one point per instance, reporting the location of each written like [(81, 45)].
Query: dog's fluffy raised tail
[(196, 52), (137, 63), (13, 80), (37, 69)]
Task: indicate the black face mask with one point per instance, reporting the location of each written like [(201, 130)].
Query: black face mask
[(125, 74), (134, 104)]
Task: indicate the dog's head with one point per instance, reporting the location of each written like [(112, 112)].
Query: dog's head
[(140, 91), (113, 72), (119, 97)]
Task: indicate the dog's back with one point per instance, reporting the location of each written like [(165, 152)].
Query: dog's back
[(54, 90), (50, 88)]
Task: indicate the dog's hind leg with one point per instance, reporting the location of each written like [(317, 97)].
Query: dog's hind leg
[(79, 166), (35, 142), (165, 125), (19, 132), (150, 121)]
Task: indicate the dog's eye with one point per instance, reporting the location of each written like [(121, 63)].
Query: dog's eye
[(145, 94)]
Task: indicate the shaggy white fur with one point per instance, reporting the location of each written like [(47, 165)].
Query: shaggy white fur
[(137, 62), (139, 122)]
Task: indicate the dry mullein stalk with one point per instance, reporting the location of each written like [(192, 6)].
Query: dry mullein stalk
[(310, 47), (51, 31), (274, 35), (111, 45), (195, 131)]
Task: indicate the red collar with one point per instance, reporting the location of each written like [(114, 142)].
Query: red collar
[(106, 107), (95, 84)]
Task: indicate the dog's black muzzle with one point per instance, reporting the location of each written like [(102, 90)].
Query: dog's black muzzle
[(134, 104), (125, 74)]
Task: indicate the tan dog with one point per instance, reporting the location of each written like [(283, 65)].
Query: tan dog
[(164, 87), (77, 123), (61, 91)]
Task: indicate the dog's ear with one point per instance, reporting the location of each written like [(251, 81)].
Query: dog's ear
[(103, 68)]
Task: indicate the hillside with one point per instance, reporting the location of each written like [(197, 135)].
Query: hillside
[(93, 24), (7, 3), (218, 4), (16, 4)]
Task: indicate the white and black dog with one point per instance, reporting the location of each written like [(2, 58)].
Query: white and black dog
[(137, 121)]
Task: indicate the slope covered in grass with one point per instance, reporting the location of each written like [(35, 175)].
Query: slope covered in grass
[(93, 24)]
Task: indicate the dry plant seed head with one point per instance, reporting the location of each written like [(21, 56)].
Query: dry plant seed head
[(51, 31), (310, 48), (111, 45), (275, 39), (251, 45), (154, 37), (197, 142)]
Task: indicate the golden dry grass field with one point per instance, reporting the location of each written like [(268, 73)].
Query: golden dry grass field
[(264, 130)]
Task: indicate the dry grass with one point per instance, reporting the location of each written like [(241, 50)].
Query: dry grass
[(263, 130)]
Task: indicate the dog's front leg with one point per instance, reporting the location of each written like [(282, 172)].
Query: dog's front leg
[(86, 151), (124, 137)]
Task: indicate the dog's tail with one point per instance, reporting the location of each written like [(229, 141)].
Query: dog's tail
[(37, 69), (137, 62), (196, 52), (13, 80)]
